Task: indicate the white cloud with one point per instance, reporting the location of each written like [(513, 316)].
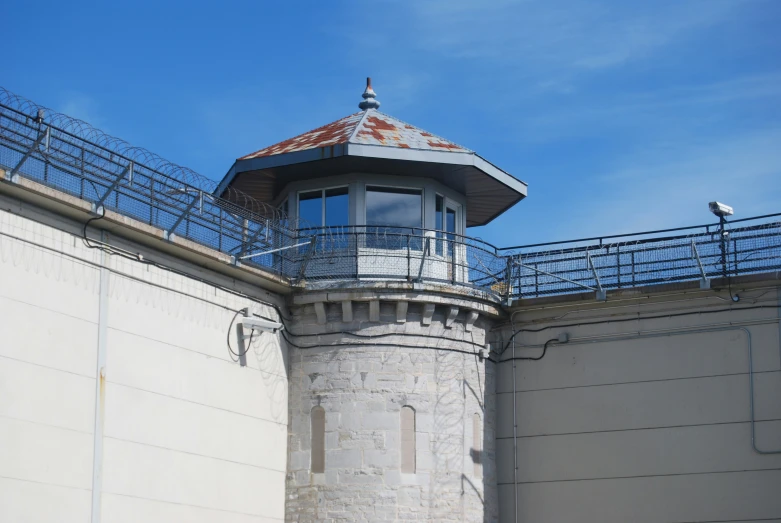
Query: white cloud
[(83, 107), (562, 36), (664, 185), (680, 113)]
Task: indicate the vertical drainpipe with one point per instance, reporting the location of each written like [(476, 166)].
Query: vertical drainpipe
[(515, 435), (100, 386), (778, 297)]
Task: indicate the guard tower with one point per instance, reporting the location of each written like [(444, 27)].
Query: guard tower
[(389, 419), (388, 200), (357, 162)]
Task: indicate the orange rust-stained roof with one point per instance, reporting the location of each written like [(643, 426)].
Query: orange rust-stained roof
[(369, 127)]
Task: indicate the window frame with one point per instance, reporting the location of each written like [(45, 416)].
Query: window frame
[(322, 191), (420, 190)]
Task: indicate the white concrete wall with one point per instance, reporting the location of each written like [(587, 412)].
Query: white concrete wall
[(644, 428), (187, 434)]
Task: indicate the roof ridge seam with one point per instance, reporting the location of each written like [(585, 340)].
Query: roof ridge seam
[(358, 125), (416, 127), (252, 154)]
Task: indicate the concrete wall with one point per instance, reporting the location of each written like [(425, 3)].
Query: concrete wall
[(643, 420), (118, 399), (363, 388)]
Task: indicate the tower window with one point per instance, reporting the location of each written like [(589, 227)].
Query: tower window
[(477, 444), (324, 207), (318, 439), (408, 440), (395, 207)]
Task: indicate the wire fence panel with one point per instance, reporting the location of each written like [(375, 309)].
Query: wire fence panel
[(701, 255), (405, 254), (116, 180), (73, 157)]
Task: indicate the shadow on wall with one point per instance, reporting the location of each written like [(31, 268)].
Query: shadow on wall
[(271, 355), (457, 441)]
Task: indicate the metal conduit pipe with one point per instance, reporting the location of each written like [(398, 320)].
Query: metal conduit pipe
[(665, 302), (720, 327), (515, 431), (630, 302)]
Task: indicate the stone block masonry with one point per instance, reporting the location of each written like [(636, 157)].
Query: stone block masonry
[(363, 383)]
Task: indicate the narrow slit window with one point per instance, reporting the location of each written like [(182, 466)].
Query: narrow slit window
[(318, 439), (408, 440), (477, 444)]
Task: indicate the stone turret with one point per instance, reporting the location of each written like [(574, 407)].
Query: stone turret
[(391, 400), (412, 352)]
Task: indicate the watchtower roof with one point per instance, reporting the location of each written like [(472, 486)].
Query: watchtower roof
[(370, 141), (369, 127)]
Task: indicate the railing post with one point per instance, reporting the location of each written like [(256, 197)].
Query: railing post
[(34, 147), (536, 281), (601, 294), (219, 235), (356, 247), (97, 207), (409, 259), (453, 261), (618, 264), (426, 251), (723, 244), (152, 198), (308, 257), (169, 233), (508, 280), (704, 282)]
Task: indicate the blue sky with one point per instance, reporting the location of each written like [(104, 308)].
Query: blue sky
[(620, 115)]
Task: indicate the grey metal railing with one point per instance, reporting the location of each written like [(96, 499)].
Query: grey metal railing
[(404, 254), (72, 157), (111, 174), (752, 245)]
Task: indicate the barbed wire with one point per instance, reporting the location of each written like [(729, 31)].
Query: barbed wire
[(91, 135), (83, 160)]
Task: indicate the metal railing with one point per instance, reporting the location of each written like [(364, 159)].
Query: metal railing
[(405, 254), (747, 246), (72, 157)]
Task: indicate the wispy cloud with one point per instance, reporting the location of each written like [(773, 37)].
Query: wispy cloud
[(666, 185), (84, 107), (565, 36), (681, 111)]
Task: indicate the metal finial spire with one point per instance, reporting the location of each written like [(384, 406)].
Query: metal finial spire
[(369, 101)]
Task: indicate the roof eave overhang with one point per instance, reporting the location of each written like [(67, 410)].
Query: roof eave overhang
[(379, 152), (279, 160), (443, 157), (374, 151)]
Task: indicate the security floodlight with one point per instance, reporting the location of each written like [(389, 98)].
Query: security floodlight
[(262, 324), (720, 210)]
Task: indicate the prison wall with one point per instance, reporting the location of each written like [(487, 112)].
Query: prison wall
[(370, 366), (119, 401), (644, 414)]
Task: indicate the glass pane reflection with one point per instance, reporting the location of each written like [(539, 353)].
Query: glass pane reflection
[(391, 214)]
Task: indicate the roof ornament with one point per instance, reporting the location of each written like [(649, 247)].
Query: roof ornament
[(369, 96)]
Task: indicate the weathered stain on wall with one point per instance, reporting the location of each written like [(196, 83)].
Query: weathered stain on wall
[(644, 415)]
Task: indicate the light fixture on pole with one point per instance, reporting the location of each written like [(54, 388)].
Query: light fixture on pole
[(722, 211), (253, 323)]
